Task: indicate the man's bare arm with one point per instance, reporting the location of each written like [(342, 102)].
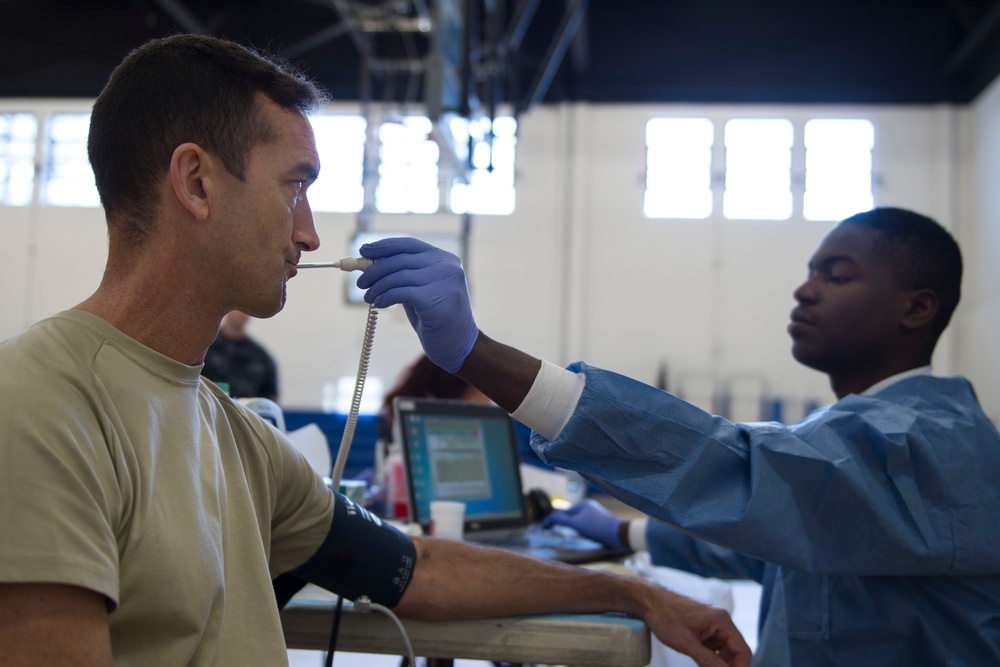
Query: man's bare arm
[(455, 580), (53, 625)]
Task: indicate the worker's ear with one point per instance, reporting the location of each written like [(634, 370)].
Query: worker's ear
[(190, 178), (920, 309)]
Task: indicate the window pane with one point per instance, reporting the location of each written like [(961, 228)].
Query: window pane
[(838, 168), (490, 190), (408, 167), (340, 141), (679, 168), (18, 133), (758, 169), (70, 180)]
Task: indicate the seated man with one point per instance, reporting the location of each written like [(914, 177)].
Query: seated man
[(145, 513), (871, 524)]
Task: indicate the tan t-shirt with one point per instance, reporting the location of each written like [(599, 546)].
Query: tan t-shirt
[(124, 472)]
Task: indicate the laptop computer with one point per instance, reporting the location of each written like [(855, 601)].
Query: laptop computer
[(455, 450)]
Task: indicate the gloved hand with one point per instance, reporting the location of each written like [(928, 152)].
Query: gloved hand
[(591, 519), (430, 283)]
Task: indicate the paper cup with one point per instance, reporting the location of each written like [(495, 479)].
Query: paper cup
[(447, 517)]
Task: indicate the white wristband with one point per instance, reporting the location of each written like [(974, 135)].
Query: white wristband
[(551, 400), (637, 534)]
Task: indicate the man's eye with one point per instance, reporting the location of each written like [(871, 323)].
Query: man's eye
[(839, 280)]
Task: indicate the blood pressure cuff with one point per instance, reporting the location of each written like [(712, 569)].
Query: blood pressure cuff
[(361, 555)]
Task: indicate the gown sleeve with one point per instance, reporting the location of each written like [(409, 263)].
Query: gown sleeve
[(669, 547)]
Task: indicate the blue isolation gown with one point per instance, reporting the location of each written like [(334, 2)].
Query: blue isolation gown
[(873, 525)]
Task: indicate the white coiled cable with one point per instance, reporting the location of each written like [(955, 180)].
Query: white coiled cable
[(359, 387), (363, 603)]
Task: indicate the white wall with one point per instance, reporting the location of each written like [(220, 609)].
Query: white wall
[(577, 271), (976, 350)]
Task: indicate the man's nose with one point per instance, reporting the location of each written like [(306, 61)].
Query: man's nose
[(805, 293), (304, 232)]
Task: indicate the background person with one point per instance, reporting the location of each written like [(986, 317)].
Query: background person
[(240, 362), (871, 524), (425, 379)]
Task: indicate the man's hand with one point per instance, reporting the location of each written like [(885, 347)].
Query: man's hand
[(430, 283), (706, 634)]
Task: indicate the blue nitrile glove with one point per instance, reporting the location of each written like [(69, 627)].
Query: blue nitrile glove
[(591, 519), (430, 283)]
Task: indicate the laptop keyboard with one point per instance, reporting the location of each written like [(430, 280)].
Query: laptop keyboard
[(557, 537)]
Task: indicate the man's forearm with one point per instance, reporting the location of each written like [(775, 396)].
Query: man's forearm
[(456, 580)]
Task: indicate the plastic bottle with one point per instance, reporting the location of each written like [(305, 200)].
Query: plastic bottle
[(397, 504)]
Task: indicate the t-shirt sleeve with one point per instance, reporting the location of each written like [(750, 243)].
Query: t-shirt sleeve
[(303, 508), (60, 502)]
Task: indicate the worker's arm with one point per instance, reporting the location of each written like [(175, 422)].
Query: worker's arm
[(53, 625), (500, 371), (455, 580), (667, 546)]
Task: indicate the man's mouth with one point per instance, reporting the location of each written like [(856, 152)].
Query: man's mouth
[(799, 318), (799, 324)]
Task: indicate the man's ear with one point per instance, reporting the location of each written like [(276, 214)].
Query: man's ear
[(921, 308), (190, 174)]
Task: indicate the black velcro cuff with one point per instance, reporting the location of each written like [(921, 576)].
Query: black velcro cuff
[(362, 555)]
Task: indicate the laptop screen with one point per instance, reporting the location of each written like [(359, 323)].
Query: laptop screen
[(461, 451)]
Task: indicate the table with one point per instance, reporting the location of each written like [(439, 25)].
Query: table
[(591, 640)]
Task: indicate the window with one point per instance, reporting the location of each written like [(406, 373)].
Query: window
[(408, 167), (758, 169), (69, 178), (838, 168), (18, 134), (679, 168), (490, 190), (340, 141), (837, 179)]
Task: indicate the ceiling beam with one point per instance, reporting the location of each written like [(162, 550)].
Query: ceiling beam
[(572, 17), (315, 40), (183, 17), (980, 36)]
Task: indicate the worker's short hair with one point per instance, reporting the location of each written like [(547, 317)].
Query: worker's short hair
[(922, 253), (183, 88)]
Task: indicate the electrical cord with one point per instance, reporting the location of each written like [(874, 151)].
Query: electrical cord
[(363, 603), (359, 387), (334, 631), (345, 447)]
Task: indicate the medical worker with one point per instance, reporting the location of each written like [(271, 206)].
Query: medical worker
[(872, 524)]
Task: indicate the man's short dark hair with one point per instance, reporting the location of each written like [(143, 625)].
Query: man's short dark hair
[(183, 88), (923, 254)]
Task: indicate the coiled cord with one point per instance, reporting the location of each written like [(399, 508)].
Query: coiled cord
[(359, 387)]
